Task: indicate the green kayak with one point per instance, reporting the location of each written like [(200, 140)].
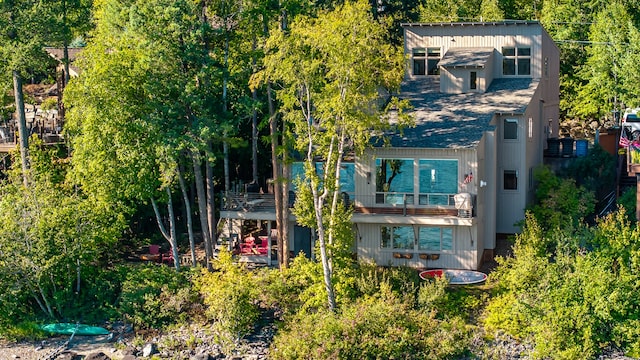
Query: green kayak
[(69, 328)]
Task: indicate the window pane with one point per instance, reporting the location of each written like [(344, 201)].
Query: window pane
[(347, 176), (473, 80), (524, 66), (418, 67), (394, 175), (447, 239), (385, 237), (419, 52), (429, 238), (433, 66), (510, 129), (508, 51), (510, 180), (438, 176), (433, 52), (509, 66), (524, 51), (403, 237)]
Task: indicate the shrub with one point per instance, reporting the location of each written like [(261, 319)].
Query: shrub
[(385, 326), (230, 294), (154, 296)]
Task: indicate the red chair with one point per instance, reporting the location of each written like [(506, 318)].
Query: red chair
[(248, 246), (168, 258), (154, 249), (264, 245)]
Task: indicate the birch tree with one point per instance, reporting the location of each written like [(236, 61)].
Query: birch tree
[(140, 100), (331, 70)]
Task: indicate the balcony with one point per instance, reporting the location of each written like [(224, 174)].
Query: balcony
[(376, 204)]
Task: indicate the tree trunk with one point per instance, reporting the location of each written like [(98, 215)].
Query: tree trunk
[(254, 123), (22, 126), (275, 164), (187, 205), (202, 206), (173, 237), (170, 235), (211, 198)]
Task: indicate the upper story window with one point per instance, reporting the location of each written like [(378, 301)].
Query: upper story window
[(516, 60), (473, 80), (425, 61), (347, 176), (438, 181), (394, 181), (510, 129)]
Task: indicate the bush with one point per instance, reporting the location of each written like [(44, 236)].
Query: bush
[(386, 326), (154, 296), (230, 294)]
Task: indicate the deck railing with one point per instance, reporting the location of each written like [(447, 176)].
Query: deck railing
[(368, 204)]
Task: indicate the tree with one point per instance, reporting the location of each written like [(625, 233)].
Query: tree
[(146, 93), (21, 51), (51, 238), (601, 73), (331, 69)]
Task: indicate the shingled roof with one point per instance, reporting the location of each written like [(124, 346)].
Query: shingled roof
[(458, 120), (466, 57)]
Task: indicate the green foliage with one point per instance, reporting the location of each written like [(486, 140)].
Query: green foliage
[(230, 294), (385, 326), (155, 296), (560, 203), (53, 243), (627, 200), (596, 172), (568, 301)]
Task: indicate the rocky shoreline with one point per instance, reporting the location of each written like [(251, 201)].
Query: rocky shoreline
[(197, 343)]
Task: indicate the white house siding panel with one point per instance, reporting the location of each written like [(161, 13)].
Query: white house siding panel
[(446, 36), (365, 184), (464, 255), (486, 199), (511, 157), (465, 231)]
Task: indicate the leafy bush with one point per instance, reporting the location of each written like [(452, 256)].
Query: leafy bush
[(154, 296), (560, 203), (575, 300), (385, 326), (230, 293)]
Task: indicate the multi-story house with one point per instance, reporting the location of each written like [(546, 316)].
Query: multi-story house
[(485, 99)]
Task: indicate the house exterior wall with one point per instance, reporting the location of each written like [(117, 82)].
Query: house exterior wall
[(480, 35), (456, 81), (467, 246), (486, 187)]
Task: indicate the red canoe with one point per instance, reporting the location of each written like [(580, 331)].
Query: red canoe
[(456, 277)]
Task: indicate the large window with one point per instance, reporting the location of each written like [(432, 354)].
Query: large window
[(394, 181), (433, 58), (419, 59), (425, 61), (397, 237), (438, 181), (435, 238), (516, 61), (347, 176), (429, 238)]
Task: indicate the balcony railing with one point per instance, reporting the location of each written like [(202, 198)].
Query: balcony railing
[(368, 204), (248, 202)]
